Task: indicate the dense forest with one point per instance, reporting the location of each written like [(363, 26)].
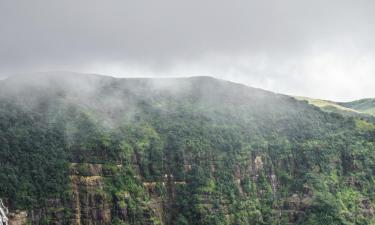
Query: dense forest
[(89, 149)]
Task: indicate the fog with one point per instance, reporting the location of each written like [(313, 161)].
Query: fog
[(321, 49)]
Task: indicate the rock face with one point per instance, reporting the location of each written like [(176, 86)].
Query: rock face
[(90, 204), (18, 218)]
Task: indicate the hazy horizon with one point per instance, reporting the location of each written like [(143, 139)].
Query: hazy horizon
[(48, 73), (317, 49)]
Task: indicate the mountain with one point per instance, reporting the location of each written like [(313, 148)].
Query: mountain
[(91, 149)]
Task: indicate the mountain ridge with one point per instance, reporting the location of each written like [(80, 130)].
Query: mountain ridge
[(63, 75)]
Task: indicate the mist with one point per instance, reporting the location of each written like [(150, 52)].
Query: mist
[(317, 49)]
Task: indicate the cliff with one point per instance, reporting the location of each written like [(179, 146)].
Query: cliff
[(87, 149)]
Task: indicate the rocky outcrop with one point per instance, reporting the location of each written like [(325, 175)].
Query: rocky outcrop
[(90, 203), (18, 217)]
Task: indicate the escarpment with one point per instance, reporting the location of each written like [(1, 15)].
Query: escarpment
[(90, 203), (189, 151)]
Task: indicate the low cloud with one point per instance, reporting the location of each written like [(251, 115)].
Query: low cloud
[(320, 49)]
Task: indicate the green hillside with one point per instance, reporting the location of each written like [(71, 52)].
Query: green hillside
[(89, 149), (355, 109), (330, 106), (364, 105)]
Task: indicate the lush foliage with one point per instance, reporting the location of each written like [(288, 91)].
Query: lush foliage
[(214, 153)]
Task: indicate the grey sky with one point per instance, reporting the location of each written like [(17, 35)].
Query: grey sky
[(320, 48)]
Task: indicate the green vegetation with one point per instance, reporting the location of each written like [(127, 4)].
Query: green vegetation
[(33, 157), (364, 108), (330, 106), (364, 105), (197, 151)]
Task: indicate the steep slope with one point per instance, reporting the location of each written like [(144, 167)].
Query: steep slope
[(89, 149), (363, 105), (330, 106), (350, 109)]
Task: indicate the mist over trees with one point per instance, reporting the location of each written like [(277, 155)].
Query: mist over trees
[(207, 151)]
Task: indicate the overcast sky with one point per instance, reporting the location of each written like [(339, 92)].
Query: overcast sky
[(317, 48)]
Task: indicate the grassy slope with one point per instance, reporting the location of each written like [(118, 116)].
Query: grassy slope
[(364, 108), (363, 105), (327, 105)]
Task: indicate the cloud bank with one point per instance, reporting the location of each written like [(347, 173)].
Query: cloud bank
[(322, 49)]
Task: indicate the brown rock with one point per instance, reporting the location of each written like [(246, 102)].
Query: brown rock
[(17, 217)]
